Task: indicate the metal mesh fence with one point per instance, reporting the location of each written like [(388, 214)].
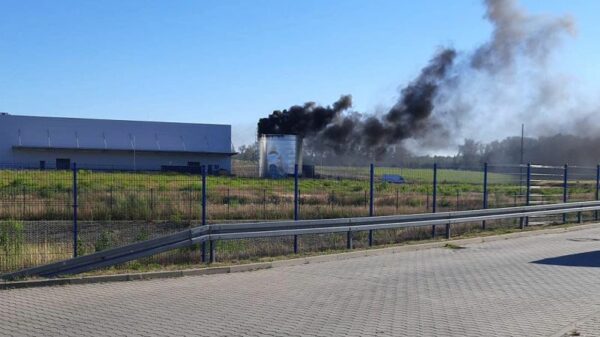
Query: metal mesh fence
[(115, 208), (459, 189), (35, 217), (402, 190), (507, 185), (119, 208), (249, 199), (334, 192)]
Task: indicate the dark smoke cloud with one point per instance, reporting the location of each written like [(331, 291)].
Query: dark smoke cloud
[(329, 127), (305, 120), (453, 94)]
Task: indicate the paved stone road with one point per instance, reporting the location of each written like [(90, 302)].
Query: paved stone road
[(489, 289)]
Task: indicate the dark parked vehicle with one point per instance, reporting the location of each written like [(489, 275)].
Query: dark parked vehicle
[(393, 179)]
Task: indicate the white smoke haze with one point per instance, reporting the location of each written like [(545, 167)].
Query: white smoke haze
[(509, 80)]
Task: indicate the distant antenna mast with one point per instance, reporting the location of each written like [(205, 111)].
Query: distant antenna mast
[(522, 142)]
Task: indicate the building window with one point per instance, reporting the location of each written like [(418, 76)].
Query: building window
[(63, 163), (193, 164), (42, 164)]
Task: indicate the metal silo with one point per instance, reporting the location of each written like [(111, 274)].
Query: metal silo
[(278, 154)]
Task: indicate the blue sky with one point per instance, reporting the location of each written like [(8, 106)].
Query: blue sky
[(232, 62)]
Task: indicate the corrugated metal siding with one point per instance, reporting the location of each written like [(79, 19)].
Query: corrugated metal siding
[(76, 133)]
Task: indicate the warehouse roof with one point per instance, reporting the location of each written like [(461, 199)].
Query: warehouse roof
[(39, 133)]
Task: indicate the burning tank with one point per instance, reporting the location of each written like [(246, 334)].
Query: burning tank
[(278, 154)]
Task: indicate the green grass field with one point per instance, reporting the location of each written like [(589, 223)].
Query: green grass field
[(338, 192), (115, 208)]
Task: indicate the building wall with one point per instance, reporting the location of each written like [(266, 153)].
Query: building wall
[(111, 144)]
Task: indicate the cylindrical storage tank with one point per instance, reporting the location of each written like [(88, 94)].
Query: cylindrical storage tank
[(278, 154)]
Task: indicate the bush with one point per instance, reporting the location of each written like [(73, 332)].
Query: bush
[(11, 235), (133, 207), (104, 242), (142, 235)]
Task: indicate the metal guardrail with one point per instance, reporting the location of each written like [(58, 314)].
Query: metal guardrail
[(212, 233)]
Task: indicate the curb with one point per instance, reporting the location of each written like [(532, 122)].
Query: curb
[(282, 263)]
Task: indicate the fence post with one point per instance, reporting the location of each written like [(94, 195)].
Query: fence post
[(596, 214), (23, 202), (203, 203), (296, 204), (75, 206), (332, 198), (458, 200), (265, 204), (434, 193), (485, 191), (527, 195), (434, 197), (111, 201), (152, 203), (565, 189), (371, 199), (228, 201)]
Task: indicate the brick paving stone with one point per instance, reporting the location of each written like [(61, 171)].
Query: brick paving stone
[(487, 289)]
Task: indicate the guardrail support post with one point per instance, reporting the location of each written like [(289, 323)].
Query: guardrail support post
[(448, 231), (485, 191), (434, 197), (296, 205), (371, 199), (522, 223), (349, 243), (203, 252), (75, 208), (213, 251), (596, 213), (565, 189), (203, 201)]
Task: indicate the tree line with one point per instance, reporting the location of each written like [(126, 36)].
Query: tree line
[(558, 149)]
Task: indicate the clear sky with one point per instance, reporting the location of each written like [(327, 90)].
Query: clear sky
[(232, 62)]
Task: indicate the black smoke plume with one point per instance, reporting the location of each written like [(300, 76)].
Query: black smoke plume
[(327, 125), (453, 95), (305, 120)]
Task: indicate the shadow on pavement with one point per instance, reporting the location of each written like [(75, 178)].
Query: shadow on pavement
[(588, 259)]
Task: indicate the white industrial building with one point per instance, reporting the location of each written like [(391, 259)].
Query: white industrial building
[(50, 142)]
